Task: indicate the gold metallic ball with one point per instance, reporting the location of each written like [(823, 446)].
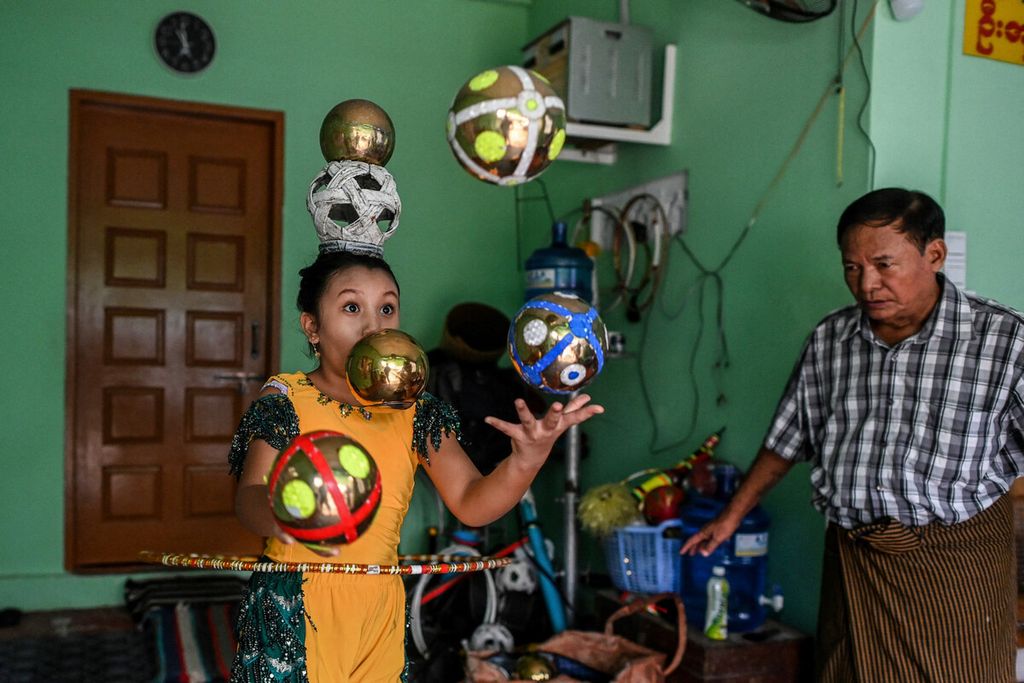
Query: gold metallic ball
[(506, 125), (324, 489), (387, 368), (556, 343), (357, 130), (534, 668)]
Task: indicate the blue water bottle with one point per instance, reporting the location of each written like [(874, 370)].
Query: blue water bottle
[(559, 268), (744, 558)]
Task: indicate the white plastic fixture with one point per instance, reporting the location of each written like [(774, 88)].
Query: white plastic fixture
[(669, 190), (903, 10)]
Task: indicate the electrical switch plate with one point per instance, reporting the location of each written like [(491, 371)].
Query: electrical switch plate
[(670, 190)]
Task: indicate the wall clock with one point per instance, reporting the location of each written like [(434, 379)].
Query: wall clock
[(184, 42)]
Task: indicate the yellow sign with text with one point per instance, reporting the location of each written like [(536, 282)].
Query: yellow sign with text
[(995, 29)]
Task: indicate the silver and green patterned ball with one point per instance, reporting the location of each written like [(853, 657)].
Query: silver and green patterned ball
[(325, 489), (506, 125), (556, 343)]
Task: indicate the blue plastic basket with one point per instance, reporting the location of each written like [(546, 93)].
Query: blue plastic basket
[(641, 559)]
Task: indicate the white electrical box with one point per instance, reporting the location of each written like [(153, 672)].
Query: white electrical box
[(670, 191)]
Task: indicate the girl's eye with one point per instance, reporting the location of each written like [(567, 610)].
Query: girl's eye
[(351, 308), (387, 309)]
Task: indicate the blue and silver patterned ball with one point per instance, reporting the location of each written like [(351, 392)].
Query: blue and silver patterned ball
[(557, 342)]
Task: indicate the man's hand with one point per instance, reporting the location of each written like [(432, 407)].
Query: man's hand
[(712, 535), (769, 467)]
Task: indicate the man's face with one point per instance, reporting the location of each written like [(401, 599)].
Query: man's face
[(892, 281)]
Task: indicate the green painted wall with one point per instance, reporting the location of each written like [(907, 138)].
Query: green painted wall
[(746, 86), (300, 58), (939, 120), (950, 123)]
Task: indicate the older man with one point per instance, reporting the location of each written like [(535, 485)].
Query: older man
[(909, 407)]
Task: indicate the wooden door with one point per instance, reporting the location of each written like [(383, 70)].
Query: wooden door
[(174, 238)]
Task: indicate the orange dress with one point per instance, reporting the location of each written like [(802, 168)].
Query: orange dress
[(354, 625)]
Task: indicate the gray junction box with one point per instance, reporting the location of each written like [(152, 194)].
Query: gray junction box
[(602, 70)]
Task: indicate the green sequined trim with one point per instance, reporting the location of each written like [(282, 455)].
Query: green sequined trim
[(434, 418), (271, 418), (323, 399), (404, 678), (271, 631)]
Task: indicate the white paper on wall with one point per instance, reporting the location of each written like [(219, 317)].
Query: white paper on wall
[(956, 258)]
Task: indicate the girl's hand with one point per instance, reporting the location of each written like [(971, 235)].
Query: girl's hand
[(533, 438), (477, 500)]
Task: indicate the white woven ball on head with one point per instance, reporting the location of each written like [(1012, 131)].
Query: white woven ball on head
[(338, 185)]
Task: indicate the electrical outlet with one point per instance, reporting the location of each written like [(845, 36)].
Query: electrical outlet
[(670, 191)]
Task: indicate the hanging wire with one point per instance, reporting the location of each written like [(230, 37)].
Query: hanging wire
[(713, 276), (867, 80), (519, 199), (620, 233), (841, 92), (656, 233)]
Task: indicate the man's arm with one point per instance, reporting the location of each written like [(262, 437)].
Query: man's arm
[(768, 469)]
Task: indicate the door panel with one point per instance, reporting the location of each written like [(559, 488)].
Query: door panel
[(175, 243)]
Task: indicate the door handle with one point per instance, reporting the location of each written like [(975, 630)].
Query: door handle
[(254, 345)]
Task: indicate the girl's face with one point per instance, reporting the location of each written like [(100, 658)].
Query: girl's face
[(356, 302)]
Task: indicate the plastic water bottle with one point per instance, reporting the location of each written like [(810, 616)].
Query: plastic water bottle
[(716, 620), (559, 268)]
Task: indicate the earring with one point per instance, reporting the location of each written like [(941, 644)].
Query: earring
[(315, 347)]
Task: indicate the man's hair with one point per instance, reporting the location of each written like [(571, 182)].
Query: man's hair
[(912, 213)]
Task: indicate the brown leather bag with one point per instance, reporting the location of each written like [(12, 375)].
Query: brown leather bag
[(619, 657)]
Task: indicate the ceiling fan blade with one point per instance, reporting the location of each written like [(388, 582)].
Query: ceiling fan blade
[(795, 11)]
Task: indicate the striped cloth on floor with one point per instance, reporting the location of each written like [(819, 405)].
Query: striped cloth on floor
[(195, 643), (190, 621)]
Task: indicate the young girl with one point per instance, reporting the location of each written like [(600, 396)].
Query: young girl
[(333, 628)]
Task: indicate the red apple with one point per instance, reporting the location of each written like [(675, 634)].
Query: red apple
[(662, 504)]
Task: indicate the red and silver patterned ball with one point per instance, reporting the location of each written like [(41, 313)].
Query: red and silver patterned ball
[(557, 342), (325, 489), (506, 125)]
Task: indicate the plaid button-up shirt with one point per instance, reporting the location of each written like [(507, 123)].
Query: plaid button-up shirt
[(929, 429)]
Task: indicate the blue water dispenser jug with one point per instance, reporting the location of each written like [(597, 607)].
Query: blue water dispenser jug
[(559, 268), (744, 556)]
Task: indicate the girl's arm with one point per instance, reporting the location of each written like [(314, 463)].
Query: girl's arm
[(252, 506), (251, 499), (477, 500)]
